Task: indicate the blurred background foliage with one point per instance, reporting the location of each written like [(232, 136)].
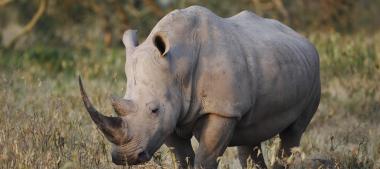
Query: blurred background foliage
[(86, 24), (58, 34)]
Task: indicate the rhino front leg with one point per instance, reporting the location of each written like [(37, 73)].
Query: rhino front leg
[(215, 133), (182, 149)]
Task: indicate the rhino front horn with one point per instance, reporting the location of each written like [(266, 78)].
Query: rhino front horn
[(112, 127)]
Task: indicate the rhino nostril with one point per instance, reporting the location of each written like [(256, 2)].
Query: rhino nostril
[(143, 156)]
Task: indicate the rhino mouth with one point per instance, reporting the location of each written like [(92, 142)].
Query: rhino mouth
[(144, 157), (119, 161), (121, 156), (141, 158)]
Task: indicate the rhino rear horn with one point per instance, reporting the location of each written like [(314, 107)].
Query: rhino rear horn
[(112, 127), (122, 106)]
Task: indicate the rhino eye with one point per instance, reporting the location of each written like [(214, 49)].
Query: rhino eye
[(154, 107), (155, 110)]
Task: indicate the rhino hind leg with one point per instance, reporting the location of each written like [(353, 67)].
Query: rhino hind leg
[(291, 136), (253, 152)]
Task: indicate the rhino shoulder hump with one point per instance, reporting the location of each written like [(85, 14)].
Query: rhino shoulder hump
[(245, 13)]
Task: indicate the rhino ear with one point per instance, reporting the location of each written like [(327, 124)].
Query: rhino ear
[(161, 42), (130, 40)]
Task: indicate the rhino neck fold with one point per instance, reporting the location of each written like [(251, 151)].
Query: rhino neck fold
[(191, 105)]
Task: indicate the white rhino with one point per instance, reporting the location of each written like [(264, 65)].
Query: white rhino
[(234, 81)]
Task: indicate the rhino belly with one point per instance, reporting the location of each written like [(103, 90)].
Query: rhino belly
[(254, 132)]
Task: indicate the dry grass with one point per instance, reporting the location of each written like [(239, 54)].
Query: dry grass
[(43, 123)]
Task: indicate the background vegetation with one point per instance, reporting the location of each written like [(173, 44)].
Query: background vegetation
[(46, 44)]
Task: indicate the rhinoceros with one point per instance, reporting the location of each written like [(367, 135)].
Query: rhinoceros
[(234, 81)]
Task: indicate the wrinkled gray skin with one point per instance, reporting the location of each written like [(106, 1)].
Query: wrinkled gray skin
[(233, 81)]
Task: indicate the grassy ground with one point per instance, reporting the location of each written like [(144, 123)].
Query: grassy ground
[(43, 123)]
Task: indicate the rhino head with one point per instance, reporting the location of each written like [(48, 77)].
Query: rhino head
[(148, 112)]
